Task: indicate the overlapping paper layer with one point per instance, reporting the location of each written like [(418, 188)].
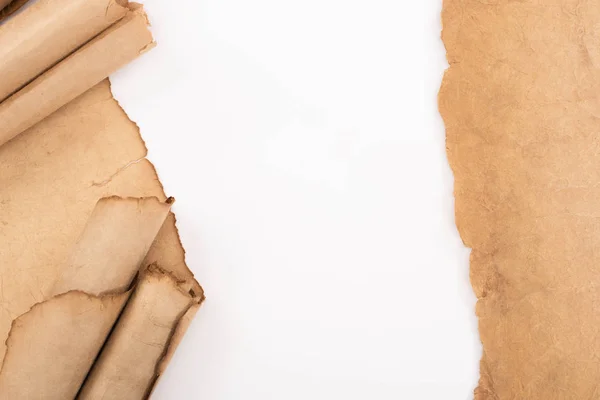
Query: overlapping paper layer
[(64, 78), (82, 213)]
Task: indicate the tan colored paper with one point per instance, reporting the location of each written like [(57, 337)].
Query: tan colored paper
[(52, 347), (113, 48), (52, 176), (179, 333), (47, 32), (140, 340), (520, 103), (64, 144), (4, 3), (113, 245), (65, 333)]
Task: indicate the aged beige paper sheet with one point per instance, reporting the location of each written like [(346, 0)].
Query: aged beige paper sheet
[(140, 340), (53, 345), (51, 348), (52, 178), (520, 104), (114, 47), (65, 144), (46, 33), (95, 294)]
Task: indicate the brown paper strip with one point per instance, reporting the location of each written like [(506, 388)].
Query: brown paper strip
[(47, 32), (129, 363), (113, 48), (522, 114)]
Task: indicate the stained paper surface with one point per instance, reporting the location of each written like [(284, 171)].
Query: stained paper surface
[(104, 54), (52, 346), (52, 177), (140, 340), (82, 213), (521, 106), (113, 245)]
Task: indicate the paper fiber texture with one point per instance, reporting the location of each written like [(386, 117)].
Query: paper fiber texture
[(65, 144), (140, 340), (113, 245), (51, 348), (521, 106), (47, 32), (8, 7), (52, 176), (110, 50)]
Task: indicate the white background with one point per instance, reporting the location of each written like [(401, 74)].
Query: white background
[(303, 144)]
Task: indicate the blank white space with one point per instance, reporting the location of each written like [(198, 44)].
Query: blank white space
[(302, 142)]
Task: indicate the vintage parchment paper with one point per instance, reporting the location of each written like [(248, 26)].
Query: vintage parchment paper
[(119, 44), (52, 177), (51, 348), (521, 106), (68, 260), (53, 345), (138, 343), (46, 33)]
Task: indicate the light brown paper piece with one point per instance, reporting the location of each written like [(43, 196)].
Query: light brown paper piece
[(55, 163), (179, 333), (52, 347), (47, 32), (113, 48), (520, 103), (51, 177), (129, 363), (113, 245), (55, 336)]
